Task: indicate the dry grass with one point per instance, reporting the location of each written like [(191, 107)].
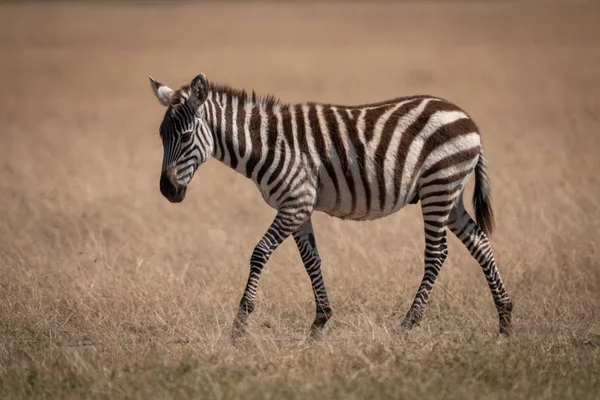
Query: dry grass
[(109, 291)]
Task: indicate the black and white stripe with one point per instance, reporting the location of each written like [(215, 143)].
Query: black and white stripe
[(353, 162)]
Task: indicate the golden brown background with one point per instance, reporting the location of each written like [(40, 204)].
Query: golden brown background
[(109, 291)]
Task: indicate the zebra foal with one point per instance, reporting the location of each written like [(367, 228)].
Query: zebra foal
[(352, 162)]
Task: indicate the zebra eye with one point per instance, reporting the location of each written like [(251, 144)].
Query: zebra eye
[(186, 137)]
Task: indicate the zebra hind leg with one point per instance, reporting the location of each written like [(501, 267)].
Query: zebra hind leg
[(307, 246), (476, 241), (436, 250)]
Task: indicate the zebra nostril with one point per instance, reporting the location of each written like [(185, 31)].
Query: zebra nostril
[(173, 193), (166, 187)]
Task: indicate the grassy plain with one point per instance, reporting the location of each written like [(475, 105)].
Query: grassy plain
[(109, 291)]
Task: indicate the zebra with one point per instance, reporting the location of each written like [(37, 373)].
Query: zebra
[(360, 162)]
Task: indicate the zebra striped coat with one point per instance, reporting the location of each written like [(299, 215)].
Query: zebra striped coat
[(352, 162)]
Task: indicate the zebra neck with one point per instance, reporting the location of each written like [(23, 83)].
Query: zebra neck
[(237, 122)]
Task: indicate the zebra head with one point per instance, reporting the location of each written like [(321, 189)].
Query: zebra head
[(187, 139)]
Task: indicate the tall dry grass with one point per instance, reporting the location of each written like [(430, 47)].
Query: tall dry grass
[(109, 291)]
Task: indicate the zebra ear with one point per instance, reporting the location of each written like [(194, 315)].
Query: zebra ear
[(163, 93), (199, 91)]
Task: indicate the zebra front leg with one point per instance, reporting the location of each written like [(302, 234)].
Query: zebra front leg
[(436, 252), (307, 246), (285, 223)]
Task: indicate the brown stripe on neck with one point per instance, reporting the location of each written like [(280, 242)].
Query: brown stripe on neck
[(219, 129), (271, 144), (240, 121), (228, 132), (256, 141)]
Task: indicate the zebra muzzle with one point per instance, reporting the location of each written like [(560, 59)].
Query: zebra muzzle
[(173, 193)]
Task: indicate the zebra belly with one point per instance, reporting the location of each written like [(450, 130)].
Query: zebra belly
[(359, 214), (357, 204)]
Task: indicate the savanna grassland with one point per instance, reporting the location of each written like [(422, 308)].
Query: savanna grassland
[(109, 291)]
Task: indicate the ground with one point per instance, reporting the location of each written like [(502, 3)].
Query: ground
[(109, 291)]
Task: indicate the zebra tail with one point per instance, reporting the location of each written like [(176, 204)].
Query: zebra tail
[(482, 196)]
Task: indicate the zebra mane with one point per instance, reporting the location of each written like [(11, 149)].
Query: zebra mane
[(268, 100), (241, 94)]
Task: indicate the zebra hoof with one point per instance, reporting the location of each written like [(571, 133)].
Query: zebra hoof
[(316, 333), (238, 330), (506, 329), (402, 328), (505, 318)]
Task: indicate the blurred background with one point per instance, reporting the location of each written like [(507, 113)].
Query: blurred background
[(110, 288)]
